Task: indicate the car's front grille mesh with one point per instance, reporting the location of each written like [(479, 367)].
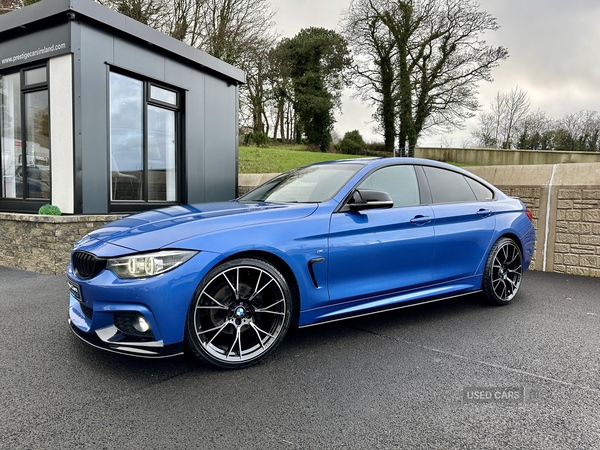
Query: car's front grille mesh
[(87, 265)]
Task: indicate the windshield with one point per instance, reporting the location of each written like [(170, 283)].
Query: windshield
[(311, 184)]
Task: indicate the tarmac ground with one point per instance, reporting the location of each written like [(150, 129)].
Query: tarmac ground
[(448, 375)]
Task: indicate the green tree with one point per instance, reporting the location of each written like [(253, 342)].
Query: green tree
[(318, 59), (352, 143)]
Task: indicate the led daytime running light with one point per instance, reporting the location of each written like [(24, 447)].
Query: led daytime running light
[(149, 264)]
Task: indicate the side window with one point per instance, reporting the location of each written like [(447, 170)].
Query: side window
[(398, 181), (483, 193), (448, 187)]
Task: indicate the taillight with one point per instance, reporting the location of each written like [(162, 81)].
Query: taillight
[(529, 214)]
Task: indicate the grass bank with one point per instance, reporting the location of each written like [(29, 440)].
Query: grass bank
[(281, 158)]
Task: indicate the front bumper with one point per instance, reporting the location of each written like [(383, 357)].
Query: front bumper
[(111, 339), (98, 305)]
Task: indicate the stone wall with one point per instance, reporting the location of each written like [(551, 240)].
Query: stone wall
[(43, 243)]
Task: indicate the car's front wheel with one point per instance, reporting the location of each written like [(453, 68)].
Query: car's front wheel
[(241, 311), (503, 272)]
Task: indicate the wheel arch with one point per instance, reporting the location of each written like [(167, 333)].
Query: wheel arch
[(506, 234), (510, 235), (283, 267)]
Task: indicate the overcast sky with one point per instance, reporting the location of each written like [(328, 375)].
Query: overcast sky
[(553, 47)]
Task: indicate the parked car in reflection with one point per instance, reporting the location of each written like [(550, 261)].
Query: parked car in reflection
[(38, 181), (317, 244)]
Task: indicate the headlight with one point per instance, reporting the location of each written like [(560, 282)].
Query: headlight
[(148, 264)]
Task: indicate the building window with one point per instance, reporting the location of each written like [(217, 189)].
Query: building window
[(143, 141), (25, 137)]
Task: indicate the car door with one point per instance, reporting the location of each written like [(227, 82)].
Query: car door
[(464, 223), (382, 251)]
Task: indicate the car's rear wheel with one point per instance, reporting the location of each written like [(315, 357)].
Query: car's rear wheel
[(241, 311), (503, 272)]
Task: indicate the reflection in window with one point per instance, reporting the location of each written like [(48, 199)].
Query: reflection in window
[(143, 141), (310, 184), (34, 76), (25, 159), (398, 181), (161, 154), (126, 137), (10, 133), (163, 95), (37, 145)]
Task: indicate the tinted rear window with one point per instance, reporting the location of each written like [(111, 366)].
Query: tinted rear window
[(448, 187)]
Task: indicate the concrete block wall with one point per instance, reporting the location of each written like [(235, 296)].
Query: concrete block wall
[(497, 157), (565, 202), (577, 241)]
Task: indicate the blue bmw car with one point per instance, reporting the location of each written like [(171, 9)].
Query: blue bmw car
[(317, 244)]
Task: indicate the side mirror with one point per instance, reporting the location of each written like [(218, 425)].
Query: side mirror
[(369, 199)]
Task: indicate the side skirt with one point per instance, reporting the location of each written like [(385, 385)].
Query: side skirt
[(334, 314)]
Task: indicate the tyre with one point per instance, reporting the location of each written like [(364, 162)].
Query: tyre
[(240, 313), (503, 272)]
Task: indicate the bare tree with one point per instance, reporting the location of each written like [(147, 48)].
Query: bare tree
[(176, 18), (282, 92), (258, 91), (374, 64), (231, 29), (589, 139), (439, 57), (180, 18), (239, 32), (485, 134), (579, 131), (516, 107), (235, 31), (7, 6), (498, 112), (507, 112), (535, 132), (148, 12)]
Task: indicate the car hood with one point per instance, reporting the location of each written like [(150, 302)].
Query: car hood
[(165, 227)]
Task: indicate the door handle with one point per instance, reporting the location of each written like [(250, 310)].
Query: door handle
[(420, 220), (484, 212)]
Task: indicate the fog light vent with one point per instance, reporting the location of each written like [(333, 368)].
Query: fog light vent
[(133, 325), (87, 311)]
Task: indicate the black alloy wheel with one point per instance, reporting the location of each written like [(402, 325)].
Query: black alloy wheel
[(240, 313), (503, 272)]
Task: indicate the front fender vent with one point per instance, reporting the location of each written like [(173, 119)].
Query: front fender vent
[(87, 265)]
